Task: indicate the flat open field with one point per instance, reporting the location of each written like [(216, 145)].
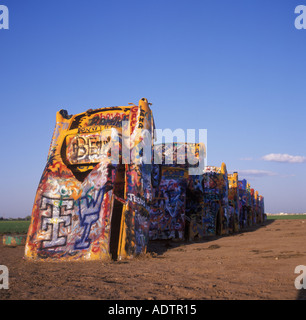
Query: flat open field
[(14, 226), (257, 264), (286, 216)]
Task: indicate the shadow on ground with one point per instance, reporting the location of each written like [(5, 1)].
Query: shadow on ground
[(158, 247)]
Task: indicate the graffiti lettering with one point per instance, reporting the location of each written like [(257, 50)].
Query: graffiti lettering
[(113, 120), (89, 210), (87, 148), (89, 129), (133, 198), (133, 118), (56, 210)]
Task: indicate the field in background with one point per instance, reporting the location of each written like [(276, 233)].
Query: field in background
[(286, 216), (21, 226), (14, 226)]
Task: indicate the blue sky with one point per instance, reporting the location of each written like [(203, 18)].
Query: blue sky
[(235, 68)]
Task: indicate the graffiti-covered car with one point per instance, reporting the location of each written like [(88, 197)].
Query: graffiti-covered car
[(195, 214), (175, 212), (259, 207), (245, 204), (233, 201), (93, 199), (262, 208), (242, 203), (167, 214), (216, 200), (253, 207)]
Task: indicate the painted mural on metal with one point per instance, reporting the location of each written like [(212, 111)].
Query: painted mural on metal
[(87, 205), (234, 205), (216, 200), (176, 183), (100, 195), (167, 215), (195, 208)]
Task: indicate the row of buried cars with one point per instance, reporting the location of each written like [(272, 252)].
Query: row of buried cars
[(189, 207), (102, 197)]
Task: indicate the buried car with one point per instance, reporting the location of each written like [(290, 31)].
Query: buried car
[(216, 208), (171, 210), (92, 202)]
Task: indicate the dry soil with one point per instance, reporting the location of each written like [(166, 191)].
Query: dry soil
[(257, 264)]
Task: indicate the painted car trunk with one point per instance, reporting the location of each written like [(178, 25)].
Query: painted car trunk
[(92, 201)]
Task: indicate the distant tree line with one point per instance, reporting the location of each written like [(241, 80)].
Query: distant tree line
[(27, 218)]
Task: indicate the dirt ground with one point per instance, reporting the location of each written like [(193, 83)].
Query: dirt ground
[(257, 264)]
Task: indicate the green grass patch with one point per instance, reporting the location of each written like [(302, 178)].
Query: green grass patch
[(14, 226), (286, 217)]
